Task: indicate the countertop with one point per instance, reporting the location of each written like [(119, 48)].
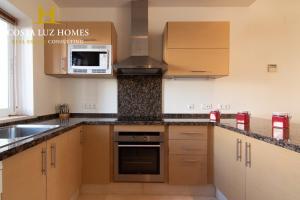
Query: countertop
[(260, 129)]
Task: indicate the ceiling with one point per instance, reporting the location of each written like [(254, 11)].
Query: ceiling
[(158, 3)]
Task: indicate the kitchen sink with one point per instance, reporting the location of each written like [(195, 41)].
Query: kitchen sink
[(24, 130)]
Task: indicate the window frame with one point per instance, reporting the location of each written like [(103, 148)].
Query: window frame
[(12, 22)]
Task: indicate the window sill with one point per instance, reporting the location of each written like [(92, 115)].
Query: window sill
[(14, 118)]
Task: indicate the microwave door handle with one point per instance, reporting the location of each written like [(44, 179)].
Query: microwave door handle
[(107, 60)]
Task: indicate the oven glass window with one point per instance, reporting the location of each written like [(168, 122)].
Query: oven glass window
[(139, 160), (85, 58)]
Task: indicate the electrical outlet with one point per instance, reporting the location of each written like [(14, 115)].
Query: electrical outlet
[(224, 106), (89, 106), (206, 107), (191, 107)]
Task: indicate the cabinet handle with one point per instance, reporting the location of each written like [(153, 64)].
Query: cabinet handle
[(191, 149), (198, 71), (81, 137), (53, 155), (44, 161), (238, 150), (248, 155), (62, 64), (190, 133), (89, 39), (191, 161)]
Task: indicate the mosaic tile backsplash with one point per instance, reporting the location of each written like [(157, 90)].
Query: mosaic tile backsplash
[(140, 98)]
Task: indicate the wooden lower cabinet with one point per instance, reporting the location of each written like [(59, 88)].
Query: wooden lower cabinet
[(96, 154), (57, 168), (229, 170), (50, 170), (23, 177), (64, 165), (187, 169), (272, 172), (188, 160), (75, 160)]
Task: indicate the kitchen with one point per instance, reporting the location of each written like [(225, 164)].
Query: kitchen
[(260, 76)]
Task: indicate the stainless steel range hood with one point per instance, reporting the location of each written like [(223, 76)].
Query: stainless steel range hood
[(139, 63)]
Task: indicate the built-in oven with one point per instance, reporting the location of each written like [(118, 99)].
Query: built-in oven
[(89, 59), (138, 156)]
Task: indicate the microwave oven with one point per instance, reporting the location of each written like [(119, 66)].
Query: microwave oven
[(89, 59)]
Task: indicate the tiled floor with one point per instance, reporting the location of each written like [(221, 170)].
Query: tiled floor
[(142, 197)]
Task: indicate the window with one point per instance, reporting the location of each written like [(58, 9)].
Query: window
[(7, 47)]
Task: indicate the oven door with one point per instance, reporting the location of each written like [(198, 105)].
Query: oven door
[(139, 161)]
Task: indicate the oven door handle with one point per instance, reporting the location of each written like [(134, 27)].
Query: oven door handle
[(137, 145)]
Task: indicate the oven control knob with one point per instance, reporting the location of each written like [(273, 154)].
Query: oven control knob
[(145, 138)]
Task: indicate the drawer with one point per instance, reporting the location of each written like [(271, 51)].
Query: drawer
[(187, 170), (189, 147), (188, 132)]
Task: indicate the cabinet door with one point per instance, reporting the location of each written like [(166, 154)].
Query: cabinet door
[(274, 172), (201, 35), (96, 154), (75, 160), (55, 54), (187, 62), (23, 177), (229, 173), (57, 168), (98, 32), (187, 169)]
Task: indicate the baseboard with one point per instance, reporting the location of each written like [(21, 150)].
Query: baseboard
[(220, 195), (149, 189)]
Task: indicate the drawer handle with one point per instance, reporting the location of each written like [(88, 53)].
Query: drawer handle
[(198, 71), (190, 133), (191, 149), (89, 39), (193, 161)]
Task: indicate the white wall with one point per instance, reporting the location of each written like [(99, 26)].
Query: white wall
[(100, 92), (265, 33), (46, 93)]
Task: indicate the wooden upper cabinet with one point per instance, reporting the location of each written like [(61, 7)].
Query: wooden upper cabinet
[(56, 51), (203, 35), (95, 32), (55, 55), (196, 49)]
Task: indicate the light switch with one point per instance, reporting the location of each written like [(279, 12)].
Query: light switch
[(272, 68)]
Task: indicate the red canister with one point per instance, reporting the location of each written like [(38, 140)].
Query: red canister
[(215, 115), (280, 120), (243, 117)]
